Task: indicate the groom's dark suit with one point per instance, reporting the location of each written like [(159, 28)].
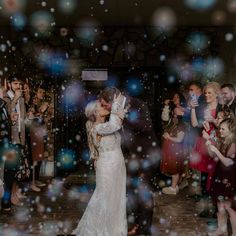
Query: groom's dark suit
[(142, 163)]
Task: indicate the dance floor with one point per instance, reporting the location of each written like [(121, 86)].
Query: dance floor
[(56, 210)]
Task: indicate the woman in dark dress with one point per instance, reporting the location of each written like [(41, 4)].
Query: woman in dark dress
[(174, 152), (223, 188)]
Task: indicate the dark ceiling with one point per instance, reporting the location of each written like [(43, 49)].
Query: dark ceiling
[(129, 12)]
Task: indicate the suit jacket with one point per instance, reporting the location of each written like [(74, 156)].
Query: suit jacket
[(139, 136), (17, 138), (232, 107), (5, 121)]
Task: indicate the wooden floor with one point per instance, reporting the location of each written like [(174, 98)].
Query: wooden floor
[(56, 210)]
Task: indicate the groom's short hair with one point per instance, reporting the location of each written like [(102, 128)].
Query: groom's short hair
[(108, 94)]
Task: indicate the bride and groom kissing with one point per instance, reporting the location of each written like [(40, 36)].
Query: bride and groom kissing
[(106, 213)]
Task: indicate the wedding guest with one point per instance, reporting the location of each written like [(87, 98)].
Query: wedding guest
[(196, 100), (16, 106), (178, 100), (228, 93), (38, 133), (27, 95), (223, 189), (200, 159), (174, 152), (5, 153)]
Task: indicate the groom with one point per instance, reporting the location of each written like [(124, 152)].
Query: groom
[(141, 143)]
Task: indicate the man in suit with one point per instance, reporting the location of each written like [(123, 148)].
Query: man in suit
[(229, 99), (5, 153), (142, 163), (16, 105)]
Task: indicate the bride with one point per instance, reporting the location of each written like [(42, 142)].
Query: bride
[(105, 214)]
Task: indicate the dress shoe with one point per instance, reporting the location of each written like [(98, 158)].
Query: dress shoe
[(7, 211), (133, 231), (34, 188), (170, 190), (39, 184)]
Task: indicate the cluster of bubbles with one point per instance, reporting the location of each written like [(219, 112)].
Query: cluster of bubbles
[(209, 68), (22, 214), (66, 159), (55, 189), (53, 62), (73, 95), (53, 227), (81, 193), (152, 161), (58, 63)]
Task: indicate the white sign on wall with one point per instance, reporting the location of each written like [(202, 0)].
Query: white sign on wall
[(95, 74)]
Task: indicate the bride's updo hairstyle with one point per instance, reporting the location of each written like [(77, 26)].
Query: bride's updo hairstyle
[(91, 110)]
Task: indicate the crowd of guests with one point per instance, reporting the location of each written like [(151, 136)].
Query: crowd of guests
[(24, 116), (199, 140)]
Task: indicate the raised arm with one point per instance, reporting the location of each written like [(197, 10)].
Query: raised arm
[(165, 115), (115, 122), (113, 125)]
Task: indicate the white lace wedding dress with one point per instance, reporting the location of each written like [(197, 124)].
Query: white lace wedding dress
[(105, 214)]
